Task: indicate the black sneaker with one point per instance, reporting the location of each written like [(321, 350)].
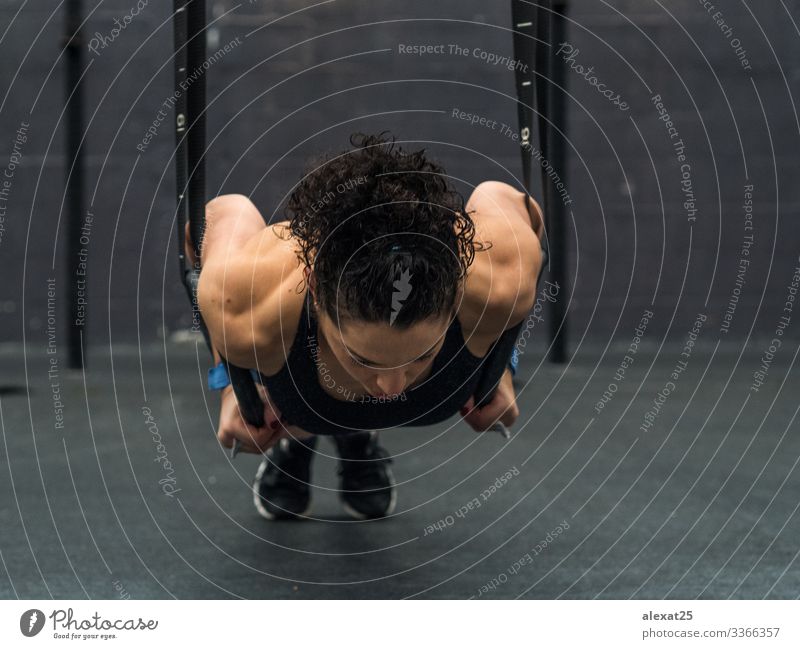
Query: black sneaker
[(366, 483), (281, 487)]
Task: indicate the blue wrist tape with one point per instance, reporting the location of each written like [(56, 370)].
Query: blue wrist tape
[(513, 362), (218, 377)]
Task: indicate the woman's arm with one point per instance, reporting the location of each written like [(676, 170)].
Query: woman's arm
[(500, 289), (243, 272), (243, 289), (501, 285), (231, 220)]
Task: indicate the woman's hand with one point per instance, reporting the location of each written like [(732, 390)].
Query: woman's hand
[(502, 407), (232, 424)]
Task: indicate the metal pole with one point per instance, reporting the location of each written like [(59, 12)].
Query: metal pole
[(544, 21), (181, 123), (556, 141), (523, 19), (196, 109), (190, 138), (73, 94)]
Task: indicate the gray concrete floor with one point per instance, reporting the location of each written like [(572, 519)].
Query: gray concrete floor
[(704, 504)]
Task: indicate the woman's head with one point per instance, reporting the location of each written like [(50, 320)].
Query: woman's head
[(386, 239), (386, 244)]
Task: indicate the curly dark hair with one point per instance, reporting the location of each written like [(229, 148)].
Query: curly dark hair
[(367, 218)]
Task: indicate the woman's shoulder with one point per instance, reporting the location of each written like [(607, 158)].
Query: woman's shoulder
[(262, 298), (275, 318), (498, 293)]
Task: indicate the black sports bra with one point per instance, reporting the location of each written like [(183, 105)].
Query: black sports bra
[(302, 401)]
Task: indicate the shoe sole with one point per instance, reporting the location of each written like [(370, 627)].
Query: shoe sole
[(263, 511), (357, 515)]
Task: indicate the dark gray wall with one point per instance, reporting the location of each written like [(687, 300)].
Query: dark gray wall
[(301, 84)]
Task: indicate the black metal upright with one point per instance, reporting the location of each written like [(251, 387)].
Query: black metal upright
[(189, 33), (181, 124), (196, 107), (544, 74), (523, 18), (537, 27), (189, 143), (559, 216), (189, 30), (73, 93)]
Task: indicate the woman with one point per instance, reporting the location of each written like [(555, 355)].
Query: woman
[(369, 308)]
